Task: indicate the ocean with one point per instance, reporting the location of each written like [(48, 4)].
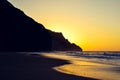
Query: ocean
[(103, 65), (105, 57)]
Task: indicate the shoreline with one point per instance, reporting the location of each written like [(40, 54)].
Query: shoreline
[(79, 67), (33, 67)]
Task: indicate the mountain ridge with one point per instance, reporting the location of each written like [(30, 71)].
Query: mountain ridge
[(19, 32)]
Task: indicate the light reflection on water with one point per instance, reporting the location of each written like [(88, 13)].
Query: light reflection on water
[(112, 58), (85, 65)]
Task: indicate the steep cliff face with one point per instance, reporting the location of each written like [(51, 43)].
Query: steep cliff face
[(19, 32), (59, 43)]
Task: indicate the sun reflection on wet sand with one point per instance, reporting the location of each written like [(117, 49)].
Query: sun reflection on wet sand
[(87, 69)]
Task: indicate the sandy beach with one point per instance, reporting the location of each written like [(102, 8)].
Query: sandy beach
[(14, 66), (80, 67)]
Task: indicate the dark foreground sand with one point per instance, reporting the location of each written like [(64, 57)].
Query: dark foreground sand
[(32, 67)]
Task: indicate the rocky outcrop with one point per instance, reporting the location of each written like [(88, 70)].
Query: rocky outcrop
[(59, 43), (19, 32)]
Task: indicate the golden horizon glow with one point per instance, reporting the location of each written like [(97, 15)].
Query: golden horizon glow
[(91, 24)]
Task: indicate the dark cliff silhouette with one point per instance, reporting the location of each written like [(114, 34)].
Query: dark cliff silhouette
[(59, 43), (19, 32)]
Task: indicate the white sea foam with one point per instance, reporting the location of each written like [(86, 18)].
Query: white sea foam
[(112, 58), (102, 65)]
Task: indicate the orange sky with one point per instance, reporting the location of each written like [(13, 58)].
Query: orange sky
[(92, 24)]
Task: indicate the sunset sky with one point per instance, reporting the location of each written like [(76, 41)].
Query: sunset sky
[(91, 24)]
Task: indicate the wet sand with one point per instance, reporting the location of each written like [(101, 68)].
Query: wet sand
[(80, 67), (14, 66)]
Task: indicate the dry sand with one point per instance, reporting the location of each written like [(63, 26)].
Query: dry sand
[(14, 66)]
